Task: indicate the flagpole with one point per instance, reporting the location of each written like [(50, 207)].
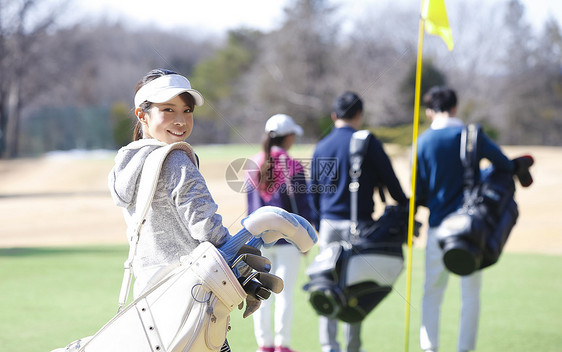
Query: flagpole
[(413, 180)]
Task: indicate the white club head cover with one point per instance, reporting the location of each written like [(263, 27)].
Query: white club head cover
[(273, 223)]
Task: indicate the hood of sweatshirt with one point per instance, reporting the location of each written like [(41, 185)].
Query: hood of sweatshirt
[(124, 178)]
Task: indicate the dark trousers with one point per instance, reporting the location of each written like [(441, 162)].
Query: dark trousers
[(225, 347)]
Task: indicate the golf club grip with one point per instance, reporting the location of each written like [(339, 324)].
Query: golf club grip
[(256, 289)]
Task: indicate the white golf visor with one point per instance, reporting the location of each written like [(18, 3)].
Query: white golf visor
[(165, 88)]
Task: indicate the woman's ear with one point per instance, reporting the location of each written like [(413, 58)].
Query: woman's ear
[(141, 115)]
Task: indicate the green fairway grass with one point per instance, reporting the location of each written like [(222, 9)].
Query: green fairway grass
[(52, 296)]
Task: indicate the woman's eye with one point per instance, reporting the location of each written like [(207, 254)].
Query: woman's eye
[(168, 109), (188, 110)]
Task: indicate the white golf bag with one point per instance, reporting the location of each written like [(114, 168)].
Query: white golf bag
[(188, 310)]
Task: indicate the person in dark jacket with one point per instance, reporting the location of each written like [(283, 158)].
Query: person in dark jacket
[(439, 187), (330, 181)]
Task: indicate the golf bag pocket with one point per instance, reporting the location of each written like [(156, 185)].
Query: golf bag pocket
[(188, 310), (347, 284), (473, 237), (326, 292), (376, 267), (369, 279)]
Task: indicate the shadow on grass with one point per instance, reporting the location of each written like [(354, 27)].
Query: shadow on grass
[(50, 251)]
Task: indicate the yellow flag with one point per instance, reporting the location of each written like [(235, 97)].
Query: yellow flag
[(436, 22)]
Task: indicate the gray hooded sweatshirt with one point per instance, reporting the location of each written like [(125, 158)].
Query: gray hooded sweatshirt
[(182, 214)]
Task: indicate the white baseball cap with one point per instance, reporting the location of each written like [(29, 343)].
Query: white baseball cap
[(282, 125), (164, 88)]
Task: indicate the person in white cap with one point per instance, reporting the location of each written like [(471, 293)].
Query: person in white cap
[(279, 181), (183, 214)]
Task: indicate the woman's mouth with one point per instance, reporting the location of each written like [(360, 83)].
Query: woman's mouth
[(177, 134)]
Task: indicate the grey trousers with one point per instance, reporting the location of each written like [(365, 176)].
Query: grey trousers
[(436, 279), (331, 231)]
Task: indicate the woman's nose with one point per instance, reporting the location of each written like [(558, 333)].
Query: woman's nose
[(179, 120)]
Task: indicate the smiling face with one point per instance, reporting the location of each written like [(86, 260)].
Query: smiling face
[(168, 122)]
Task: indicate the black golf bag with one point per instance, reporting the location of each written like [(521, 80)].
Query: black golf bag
[(349, 279), (473, 237)]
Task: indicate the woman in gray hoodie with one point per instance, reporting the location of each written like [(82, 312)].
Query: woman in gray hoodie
[(182, 213)]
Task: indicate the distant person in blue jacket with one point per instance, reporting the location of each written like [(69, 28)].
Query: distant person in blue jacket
[(331, 197), (439, 187), (280, 181)]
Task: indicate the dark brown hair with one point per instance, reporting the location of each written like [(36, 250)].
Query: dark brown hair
[(347, 105), (440, 99), (266, 175)]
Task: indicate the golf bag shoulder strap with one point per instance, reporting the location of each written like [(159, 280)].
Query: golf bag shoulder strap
[(468, 154), (149, 176), (147, 186), (357, 149)]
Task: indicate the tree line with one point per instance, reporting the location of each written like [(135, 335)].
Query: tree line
[(68, 86)]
